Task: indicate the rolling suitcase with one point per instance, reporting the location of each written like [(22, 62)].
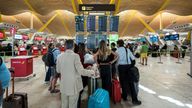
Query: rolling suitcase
[(24, 98), (18, 100), (100, 99), (116, 91)]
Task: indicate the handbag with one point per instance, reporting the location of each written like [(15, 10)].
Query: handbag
[(89, 59)]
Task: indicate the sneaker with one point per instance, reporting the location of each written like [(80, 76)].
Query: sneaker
[(55, 91), (136, 102)]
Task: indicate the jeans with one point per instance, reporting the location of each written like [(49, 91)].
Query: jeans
[(1, 99)]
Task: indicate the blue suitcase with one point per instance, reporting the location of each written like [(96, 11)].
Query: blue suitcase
[(100, 99)]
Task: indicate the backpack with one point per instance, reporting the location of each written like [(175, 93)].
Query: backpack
[(48, 58), (135, 74)]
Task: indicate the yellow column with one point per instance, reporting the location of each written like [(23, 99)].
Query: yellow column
[(188, 36), (145, 24), (47, 23), (160, 22), (117, 7)]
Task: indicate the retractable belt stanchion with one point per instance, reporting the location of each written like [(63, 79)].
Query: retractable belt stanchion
[(190, 74), (160, 62), (178, 54)]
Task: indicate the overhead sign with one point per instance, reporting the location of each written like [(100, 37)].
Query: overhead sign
[(96, 7), (8, 26), (18, 36)]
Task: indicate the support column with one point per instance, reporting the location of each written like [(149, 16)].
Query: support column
[(160, 21), (31, 21), (190, 74)]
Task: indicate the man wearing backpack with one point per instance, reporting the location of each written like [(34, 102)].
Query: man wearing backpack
[(56, 51)]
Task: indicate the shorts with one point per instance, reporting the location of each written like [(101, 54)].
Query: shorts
[(143, 55), (54, 72)]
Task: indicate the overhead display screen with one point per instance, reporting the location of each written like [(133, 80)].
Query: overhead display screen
[(91, 42), (102, 23), (153, 38), (171, 37), (79, 23), (114, 23), (80, 39), (97, 7), (91, 23)]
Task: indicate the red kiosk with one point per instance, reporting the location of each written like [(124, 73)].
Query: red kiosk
[(1, 35), (44, 50), (35, 50), (23, 66), (22, 51)]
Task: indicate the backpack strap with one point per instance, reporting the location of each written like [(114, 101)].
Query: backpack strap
[(126, 55)]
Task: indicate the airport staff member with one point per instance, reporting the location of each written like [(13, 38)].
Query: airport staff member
[(125, 61), (4, 79), (70, 67)]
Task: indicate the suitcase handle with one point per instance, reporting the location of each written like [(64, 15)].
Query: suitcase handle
[(12, 70)]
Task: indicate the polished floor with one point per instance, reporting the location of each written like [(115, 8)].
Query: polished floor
[(164, 85)]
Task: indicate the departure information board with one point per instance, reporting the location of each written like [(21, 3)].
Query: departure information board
[(91, 23), (102, 23), (79, 23), (114, 23)]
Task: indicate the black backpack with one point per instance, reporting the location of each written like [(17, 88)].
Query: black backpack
[(48, 58), (135, 74)]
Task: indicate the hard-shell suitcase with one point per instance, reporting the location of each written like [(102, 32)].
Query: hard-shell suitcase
[(18, 100), (116, 91), (24, 98), (12, 101), (100, 99)]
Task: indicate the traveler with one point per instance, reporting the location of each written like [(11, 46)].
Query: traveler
[(164, 49), (71, 69), (105, 58), (125, 61), (144, 52), (82, 51), (54, 75), (4, 79), (48, 73), (113, 47)]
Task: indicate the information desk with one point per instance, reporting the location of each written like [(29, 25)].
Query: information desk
[(23, 65)]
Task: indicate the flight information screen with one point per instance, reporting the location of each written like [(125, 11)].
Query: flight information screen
[(91, 23), (114, 23), (79, 23), (171, 37), (102, 23)]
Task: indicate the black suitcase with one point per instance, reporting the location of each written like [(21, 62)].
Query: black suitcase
[(24, 98), (18, 100)]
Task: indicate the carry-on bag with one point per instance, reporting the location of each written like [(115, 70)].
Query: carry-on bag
[(18, 100), (100, 99), (116, 91)]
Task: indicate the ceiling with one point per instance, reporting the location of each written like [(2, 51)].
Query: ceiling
[(174, 11)]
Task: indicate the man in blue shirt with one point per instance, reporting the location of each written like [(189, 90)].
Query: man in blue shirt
[(56, 51), (126, 60), (4, 79)]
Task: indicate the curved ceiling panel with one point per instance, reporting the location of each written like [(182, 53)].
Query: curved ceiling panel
[(147, 7)]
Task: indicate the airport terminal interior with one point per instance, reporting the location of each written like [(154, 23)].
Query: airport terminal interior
[(156, 32)]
